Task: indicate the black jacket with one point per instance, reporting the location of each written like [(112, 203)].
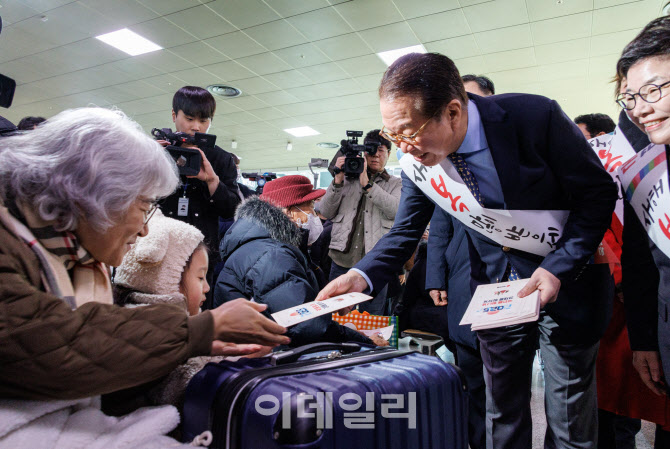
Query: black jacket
[(263, 261), (204, 210), (417, 309), (640, 260)]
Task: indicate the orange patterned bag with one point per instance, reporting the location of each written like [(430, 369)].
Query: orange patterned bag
[(365, 321)]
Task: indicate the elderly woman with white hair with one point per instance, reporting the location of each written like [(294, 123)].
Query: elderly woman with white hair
[(75, 193)]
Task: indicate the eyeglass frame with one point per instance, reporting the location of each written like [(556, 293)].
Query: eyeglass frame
[(404, 137), (620, 100), (153, 206)]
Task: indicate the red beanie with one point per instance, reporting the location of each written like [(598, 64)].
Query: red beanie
[(290, 190)]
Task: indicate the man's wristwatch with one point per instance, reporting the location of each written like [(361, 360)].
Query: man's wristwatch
[(368, 186)]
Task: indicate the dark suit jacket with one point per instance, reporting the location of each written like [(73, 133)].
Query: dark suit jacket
[(448, 268), (544, 163)]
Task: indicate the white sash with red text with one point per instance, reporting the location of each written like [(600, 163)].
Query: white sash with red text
[(532, 231), (644, 179), (613, 150)]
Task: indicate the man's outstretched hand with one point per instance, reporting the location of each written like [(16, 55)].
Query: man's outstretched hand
[(349, 282)]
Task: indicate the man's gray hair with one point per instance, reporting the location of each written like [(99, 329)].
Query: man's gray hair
[(87, 162)]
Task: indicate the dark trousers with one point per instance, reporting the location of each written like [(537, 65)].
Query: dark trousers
[(662, 438), (376, 306), (616, 431), (569, 395), (469, 361)]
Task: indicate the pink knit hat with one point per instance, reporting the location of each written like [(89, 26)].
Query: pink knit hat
[(290, 190)]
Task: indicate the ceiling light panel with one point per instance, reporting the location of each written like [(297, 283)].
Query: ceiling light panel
[(390, 56), (129, 42), (302, 131)]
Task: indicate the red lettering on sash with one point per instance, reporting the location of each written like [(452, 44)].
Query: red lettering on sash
[(665, 228), (629, 163), (608, 158), (441, 189)]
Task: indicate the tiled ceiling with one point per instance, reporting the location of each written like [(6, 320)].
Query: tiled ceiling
[(304, 62)]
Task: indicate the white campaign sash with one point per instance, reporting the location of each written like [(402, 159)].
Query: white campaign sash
[(613, 150), (532, 231), (645, 183)]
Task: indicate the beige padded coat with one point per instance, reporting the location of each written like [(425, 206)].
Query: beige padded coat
[(340, 205), (50, 351)]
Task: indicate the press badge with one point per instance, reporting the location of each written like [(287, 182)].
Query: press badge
[(182, 207)]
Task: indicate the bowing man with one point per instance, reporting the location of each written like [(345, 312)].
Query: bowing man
[(518, 153)]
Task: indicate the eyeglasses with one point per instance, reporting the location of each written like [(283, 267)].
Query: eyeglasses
[(396, 138), (651, 93), (153, 206)]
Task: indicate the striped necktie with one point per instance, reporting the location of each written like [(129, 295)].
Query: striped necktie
[(471, 182), (467, 176)]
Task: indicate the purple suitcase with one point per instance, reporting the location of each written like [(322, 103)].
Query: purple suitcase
[(344, 397)]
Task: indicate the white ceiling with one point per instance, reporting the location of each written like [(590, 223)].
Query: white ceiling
[(304, 62)]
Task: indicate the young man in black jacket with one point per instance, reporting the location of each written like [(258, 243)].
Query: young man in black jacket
[(200, 200)]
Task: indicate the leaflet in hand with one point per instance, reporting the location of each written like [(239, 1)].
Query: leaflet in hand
[(307, 311), (497, 305)]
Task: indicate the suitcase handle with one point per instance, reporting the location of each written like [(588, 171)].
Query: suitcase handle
[(294, 354)]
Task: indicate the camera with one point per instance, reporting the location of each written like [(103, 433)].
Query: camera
[(260, 179), (188, 160), (352, 151), (7, 88)]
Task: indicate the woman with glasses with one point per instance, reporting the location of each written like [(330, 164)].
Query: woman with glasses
[(75, 194), (643, 84)]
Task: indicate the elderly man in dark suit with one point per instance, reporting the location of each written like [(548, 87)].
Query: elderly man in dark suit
[(519, 153)]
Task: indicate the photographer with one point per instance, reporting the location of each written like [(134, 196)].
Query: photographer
[(362, 210), (213, 192)]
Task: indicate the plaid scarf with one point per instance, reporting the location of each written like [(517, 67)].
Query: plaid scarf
[(67, 269), (63, 245)]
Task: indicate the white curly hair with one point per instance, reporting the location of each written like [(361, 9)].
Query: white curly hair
[(86, 162)]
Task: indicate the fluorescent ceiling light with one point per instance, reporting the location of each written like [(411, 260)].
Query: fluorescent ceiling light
[(129, 42), (302, 131), (390, 56)]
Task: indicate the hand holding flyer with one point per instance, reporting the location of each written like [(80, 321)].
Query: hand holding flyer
[(307, 311), (497, 305)]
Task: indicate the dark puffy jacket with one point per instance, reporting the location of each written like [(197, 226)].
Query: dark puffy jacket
[(263, 261)]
